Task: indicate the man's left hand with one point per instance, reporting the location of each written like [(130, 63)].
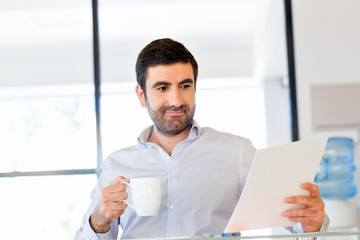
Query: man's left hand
[(310, 217)]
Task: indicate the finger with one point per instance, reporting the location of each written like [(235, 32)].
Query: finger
[(115, 197), (117, 187), (303, 200), (113, 211), (119, 179), (114, 206), (312, 188), (303, 220), (118, 184), (111, 195), (119, 196), (303, 212)]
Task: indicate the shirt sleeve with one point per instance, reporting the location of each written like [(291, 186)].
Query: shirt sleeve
[(246, 160), (85, 232)]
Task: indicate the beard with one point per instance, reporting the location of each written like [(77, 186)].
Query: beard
[(171, 125)]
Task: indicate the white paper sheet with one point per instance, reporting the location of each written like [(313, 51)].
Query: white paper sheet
[(276, 173)]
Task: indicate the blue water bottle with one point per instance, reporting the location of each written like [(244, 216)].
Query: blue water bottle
[(335, 176)]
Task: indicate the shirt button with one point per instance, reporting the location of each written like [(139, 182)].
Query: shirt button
[(172, 206)]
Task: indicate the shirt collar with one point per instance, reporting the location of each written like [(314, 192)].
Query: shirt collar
[(146, 133)]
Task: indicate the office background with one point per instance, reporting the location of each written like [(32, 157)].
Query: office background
[(51, 146)]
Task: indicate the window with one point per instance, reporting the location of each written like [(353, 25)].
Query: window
[(47, 128), (47, 124)]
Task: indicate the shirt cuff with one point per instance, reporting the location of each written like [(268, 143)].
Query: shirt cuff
[(326, 223), (296, 228), (89, 234)]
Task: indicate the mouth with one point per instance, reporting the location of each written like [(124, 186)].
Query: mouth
[(174, 113)]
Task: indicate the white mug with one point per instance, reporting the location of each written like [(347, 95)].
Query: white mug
[(145, 195)]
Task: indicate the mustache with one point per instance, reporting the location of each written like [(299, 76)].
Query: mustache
[(182, 108)]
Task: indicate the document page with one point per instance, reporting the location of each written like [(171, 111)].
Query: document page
[(276, 173)]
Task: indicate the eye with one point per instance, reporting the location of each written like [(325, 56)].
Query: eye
[(186, 86), (163, 88)]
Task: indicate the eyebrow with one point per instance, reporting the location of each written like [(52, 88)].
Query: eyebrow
[(164, 83), (160, 83), (188, 80)]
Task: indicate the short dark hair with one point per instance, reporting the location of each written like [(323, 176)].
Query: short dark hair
[(162, 52)]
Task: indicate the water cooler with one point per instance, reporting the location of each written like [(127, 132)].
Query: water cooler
[(336, 180)]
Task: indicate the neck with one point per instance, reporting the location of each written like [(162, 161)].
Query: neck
[(168, 142)]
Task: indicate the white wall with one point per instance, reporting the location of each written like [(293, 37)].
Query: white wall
[(327, 51), (327, 48)]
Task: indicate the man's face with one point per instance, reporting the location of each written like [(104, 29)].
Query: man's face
[(170, 97)]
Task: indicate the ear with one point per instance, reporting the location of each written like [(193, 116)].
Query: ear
[(141, 95)]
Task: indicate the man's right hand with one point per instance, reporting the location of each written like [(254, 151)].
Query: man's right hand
[(110, 206)]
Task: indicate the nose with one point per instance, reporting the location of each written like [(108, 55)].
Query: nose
[(175, 98)]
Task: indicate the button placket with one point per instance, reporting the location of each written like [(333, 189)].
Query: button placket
[(172, 196), (171, 184)]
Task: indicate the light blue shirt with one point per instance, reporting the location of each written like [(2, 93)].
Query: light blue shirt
[(202, 182)]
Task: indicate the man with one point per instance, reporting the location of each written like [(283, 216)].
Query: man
[(203, 171)]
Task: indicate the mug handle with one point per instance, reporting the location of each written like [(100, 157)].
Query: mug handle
[(129, 204)]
